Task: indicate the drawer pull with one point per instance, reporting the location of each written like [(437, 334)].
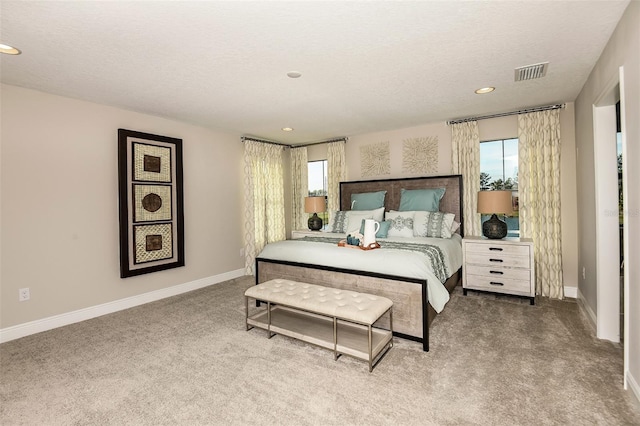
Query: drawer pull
[(495, 283), (496, 260), (495, 248), (496, 272)]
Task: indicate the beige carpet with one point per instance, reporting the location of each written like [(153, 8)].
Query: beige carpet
[(188, 360)]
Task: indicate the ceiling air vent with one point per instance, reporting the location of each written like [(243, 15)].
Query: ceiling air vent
[(531, 71)]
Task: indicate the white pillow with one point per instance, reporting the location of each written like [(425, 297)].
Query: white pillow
[(432, 224), (401, 224), (354, 219)]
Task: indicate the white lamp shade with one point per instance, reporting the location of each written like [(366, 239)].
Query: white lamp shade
[(490, 202)]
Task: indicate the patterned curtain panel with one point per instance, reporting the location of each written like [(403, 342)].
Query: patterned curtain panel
[(539, 192), (465, 160), (336, 173), (299, 187), (264, 198)]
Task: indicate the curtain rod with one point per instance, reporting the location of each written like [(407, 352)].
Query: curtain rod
[(504, 114), (244, 138), (320, 143)]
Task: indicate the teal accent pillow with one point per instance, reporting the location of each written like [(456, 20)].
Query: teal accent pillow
[(420, 199), (382, 232), (368, 200)]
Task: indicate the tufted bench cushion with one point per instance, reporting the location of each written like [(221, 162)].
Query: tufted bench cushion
[(343, 304)]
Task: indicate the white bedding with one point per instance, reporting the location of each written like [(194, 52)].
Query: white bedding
[(402, 263)]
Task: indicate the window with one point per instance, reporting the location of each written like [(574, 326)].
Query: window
[(499, 170), (318, 184)]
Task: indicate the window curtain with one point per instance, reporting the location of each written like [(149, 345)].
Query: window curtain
[(539, 196), (465, 161), (264, 198), (299, 187), (336, 173)]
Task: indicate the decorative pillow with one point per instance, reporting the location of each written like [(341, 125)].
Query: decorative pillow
[(355, 218), (368, 200), (337, 221), (382, 231), (401, 224), (420, 199), (432, 224), (454, 227)]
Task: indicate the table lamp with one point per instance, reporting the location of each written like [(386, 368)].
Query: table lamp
[(494, 202), (314, 205)]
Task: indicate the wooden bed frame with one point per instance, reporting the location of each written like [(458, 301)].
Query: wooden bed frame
[(412, 314)]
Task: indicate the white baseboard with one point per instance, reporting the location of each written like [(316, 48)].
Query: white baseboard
[(633, 384), (33, 327), (571, 292), (588, 312)]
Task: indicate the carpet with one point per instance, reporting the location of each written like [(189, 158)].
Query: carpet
[(188, 359)]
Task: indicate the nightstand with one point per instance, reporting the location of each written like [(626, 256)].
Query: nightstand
[(499, 266), (301, 233)]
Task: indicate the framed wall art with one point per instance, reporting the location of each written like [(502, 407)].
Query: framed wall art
[(151, 203)]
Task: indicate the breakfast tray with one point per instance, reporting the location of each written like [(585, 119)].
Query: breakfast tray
[(343, 243)]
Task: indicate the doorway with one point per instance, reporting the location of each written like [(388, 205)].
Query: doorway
[(612, 239), (607, 217)]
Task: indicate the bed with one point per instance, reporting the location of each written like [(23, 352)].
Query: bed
[(413, 309)]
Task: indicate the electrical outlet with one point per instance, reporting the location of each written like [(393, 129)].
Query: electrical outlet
[(24, 294), (584, 273)]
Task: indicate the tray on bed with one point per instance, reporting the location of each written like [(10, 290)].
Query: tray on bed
[(343, 243)]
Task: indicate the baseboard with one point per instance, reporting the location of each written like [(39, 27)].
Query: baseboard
[(33, 327), (587, 311), (633, 385), (571, 292)]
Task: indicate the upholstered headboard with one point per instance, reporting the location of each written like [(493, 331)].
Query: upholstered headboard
[(451, 201)]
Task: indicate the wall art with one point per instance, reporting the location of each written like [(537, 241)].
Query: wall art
[(375, 159), (420, 155), (151, 203)]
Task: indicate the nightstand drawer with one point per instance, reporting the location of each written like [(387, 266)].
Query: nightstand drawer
[(498, 259), (497, 249), (500, 285), (499, 272)]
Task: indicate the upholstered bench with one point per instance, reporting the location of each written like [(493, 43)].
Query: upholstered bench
[(340, 320)]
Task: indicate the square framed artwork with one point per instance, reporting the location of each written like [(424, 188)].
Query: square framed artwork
[(151, 203)]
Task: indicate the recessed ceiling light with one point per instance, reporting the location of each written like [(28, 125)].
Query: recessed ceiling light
[(287, 129), (485, 90), (9, 50), (294, 74)]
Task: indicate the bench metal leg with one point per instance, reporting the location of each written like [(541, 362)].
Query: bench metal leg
[(370, 351), (335, 339), (269, 335), (246, 312)]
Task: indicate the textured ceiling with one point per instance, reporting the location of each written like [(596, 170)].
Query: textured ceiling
[(366, 66)]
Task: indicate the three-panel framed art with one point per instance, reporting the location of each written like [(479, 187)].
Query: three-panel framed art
[(151, 203)]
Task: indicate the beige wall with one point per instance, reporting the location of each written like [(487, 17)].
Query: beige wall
[(490, 129), (623, 50), (59, 199)]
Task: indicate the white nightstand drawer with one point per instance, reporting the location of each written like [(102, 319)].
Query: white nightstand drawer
[(500, 285), (498, 259), (499, 272), (495, 249)]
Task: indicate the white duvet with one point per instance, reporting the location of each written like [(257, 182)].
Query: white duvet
[(401, 263)]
